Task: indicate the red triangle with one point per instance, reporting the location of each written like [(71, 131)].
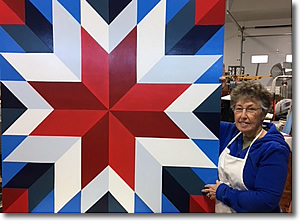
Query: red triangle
[(15, 200), (94, 151), (210, 12), (12, 12), (95, 69), (201, 204), (121, 150)]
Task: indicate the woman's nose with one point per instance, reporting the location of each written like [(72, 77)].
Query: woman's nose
[(244, 114)]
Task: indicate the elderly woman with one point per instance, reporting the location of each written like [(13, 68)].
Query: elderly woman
[(253, 161)]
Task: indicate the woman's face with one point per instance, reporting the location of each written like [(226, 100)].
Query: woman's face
[(248, 116)]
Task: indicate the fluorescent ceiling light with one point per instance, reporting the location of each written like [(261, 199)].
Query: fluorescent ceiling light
[(289, 58), (259, 59)]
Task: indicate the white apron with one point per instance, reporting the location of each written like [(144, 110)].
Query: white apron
[(230, 171)]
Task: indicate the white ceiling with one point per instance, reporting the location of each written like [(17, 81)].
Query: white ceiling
[(250, 10)]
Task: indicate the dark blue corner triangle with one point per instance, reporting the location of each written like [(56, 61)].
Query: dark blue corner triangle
[(46, 205), (9, 170), (101, 7), (212, 75), (195, 39), (167, 206), (12, 108), (208, 112), (7, 72), (181, 25), (215, 45), (9, 100), (8, 44), (28, 40), (179, 184), (116, 7), (45, 7), (173, 7), (9, 116), (210, 120), (114, 206), (107, 204), (73, 206), (140, 206), (212, 104), (39, 25), (101, 206)]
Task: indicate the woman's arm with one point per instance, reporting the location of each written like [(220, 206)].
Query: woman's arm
[(269, 184)]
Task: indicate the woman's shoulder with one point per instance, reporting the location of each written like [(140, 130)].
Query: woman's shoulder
[(227, 131), (225, 124)]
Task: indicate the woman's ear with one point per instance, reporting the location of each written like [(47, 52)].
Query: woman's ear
[(263, 115)]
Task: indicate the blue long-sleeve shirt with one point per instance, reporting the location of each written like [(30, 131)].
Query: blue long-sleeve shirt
[(264, 173)]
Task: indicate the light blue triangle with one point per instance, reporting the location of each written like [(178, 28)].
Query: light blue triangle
[(173, 7), (46, 205), (212, 75), (73, 206), (144, 7), (7, 43), (207, 175), (9, 170), (73, 7), (140, 206), (210, 148), (7, 72), (215, 45), (167, 206), (44, 7)]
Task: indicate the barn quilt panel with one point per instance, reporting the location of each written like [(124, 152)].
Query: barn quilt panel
[(110, 106)]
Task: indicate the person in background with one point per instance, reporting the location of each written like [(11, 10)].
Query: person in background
[(253, 161)]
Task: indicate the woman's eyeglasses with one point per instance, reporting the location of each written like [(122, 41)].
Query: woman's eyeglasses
[(250, 110)]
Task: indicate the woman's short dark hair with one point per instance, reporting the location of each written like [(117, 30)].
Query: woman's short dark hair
[(251, 90)]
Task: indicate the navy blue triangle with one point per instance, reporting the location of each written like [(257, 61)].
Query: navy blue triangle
[(176, 29), (209, 111), (12, 108), (179, 184), (212, 103), (8, 44), (173, 7), (211, 121), (101, 7), (108, 9), (194, 40), (45, 7), (115, 7), (107, 204), (214, 45), (27, 39), (46, 205), (36, 21), (9, 100), (9, 116), (167, 206)]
